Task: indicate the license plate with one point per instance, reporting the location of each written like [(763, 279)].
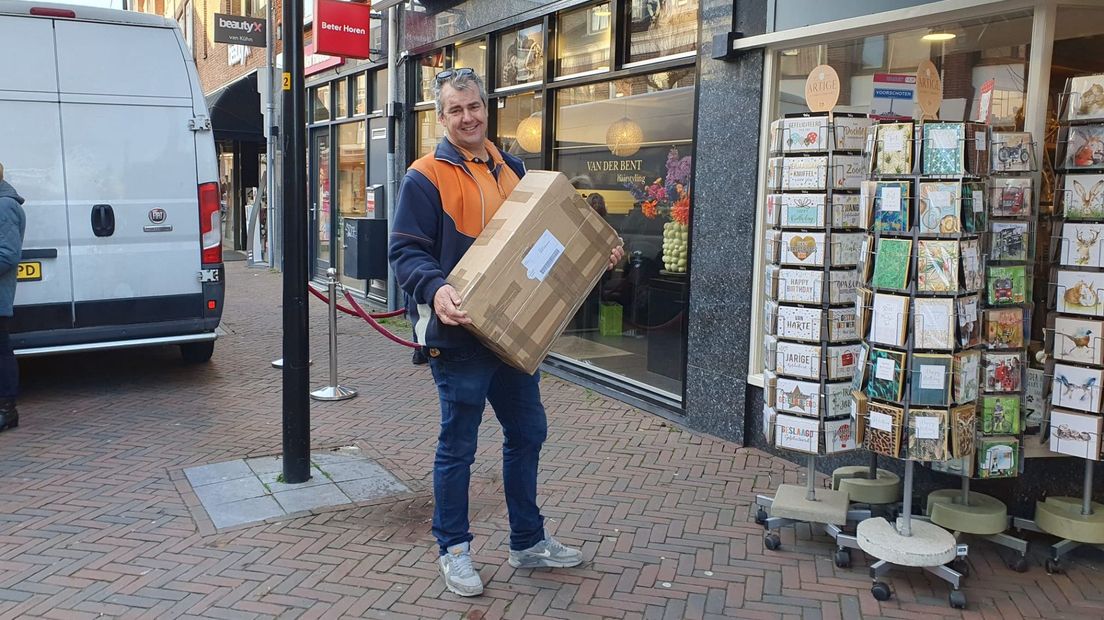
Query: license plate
[(29, 271)]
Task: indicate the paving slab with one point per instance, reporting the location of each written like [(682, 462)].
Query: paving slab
[(217, 472), (232, 514)]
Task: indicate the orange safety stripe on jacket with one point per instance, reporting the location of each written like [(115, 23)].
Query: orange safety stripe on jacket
[(470, 194)]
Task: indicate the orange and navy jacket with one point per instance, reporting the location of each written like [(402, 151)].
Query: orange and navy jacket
[(445, 200)]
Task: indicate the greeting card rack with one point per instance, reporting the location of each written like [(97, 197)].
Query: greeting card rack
[(813, 246), (1075, 321), (922, 273)]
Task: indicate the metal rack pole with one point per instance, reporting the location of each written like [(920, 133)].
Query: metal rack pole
[(1086, 494), (906, 527), (810, 479)]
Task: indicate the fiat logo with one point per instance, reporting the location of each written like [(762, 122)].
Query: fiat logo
[(157, 215)]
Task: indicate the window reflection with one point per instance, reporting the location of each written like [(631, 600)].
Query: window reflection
[(360, 105), (474, 56), (520, 56), (520, 120), (584, 40), (352, 181), (341, 99), (429, 130), (321, 103), (428, 69), (662, 27)]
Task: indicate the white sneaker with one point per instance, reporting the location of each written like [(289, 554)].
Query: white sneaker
[(548, 553), (460, 576)]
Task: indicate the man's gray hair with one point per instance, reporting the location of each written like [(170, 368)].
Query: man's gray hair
[(463, 81)]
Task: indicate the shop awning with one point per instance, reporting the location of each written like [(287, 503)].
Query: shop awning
[(236, 111)]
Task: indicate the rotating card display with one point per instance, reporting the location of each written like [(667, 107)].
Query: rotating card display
[(814, 245)]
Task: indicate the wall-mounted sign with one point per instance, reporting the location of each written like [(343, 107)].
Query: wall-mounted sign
[(341, 28), (240, 30), (929, 89), (822, 89), (313, 62), (893, 94)]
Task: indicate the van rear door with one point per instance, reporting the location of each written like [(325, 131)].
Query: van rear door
[(31, 151), (130, 167)]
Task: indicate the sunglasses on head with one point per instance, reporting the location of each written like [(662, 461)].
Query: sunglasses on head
[(451, 73)]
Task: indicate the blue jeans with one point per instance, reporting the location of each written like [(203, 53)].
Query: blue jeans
[(9, 368), (466, 379)]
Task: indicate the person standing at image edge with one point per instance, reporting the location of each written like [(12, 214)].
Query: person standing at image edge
[(13, 225), (445, 200)]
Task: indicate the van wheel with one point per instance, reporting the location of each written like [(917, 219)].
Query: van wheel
[(197, 352)]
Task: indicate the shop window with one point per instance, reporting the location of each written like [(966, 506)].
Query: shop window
[(429, 131), (320, 100), (627, 146), (428, 68), (379, 91), (583, 40), (659, 28), (341, 99), (352, 182), (520, 120), (520, 57), (360, 94), (474, 56)]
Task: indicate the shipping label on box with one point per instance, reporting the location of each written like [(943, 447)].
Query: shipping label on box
[(530, 269)]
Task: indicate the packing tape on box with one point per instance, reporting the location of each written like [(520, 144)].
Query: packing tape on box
[(489, 232)]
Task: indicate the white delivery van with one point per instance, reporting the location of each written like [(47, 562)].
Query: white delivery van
[(104, 131)]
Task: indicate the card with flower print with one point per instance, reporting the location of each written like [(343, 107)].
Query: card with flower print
[(891, 263), (886, 374), (891, 206), (894, 149), (937, 266)]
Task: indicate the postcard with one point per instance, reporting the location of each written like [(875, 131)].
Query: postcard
[(940, 206), (770, 351), (770, 316), (850, 132), (768, 423), (771, 210), (800, 210), (864, 300), (774, 173), (944, 145), (804, 249), (1076, 387), (973, 207), (805, 173), (798, 360), (1000, 415), (772, 246), (1086, 98), (1011, 196), (927, 435), (1008, 241), (839, 436), (1007, 285), (1034, 403), (859, 414), (1079, 292), (770, 282), (1079, 340), (805, 134), (799, 323), (842, 324), (776, 135), (842, 284), (1075, 434), (969, 325), (963, 428), (847, 171), (889, 323), (886, 374), (998, 457), (837, 398), (862, 368), (1085, 147), (842, 360), (973, 278), (1082, 196), (845, 211), (965, 368), (796, 433), (933, 323), (1011, 151), (937, 266), (891, 206), (795, 396), (800, 286), (1004, 328), (846, 248), (891, 264), (894, 149), (930, 380), (1081, 245), (1002, 372), (882, 432)]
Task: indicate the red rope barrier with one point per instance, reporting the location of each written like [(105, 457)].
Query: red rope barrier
[(372, 321), (375, 315)]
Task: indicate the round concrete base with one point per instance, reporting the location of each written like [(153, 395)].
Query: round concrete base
[(1061, 517), (929, 544), (984, 515), (862, 490)]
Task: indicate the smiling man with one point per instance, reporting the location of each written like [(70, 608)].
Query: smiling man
[(446, 199)]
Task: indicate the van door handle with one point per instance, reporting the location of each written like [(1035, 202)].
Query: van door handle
[(103, 220)]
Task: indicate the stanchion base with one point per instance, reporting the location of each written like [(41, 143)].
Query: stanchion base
[(855, 481), (280, 363), (984, 515), (1061, 517), (828, 507), (928, 546), (333, 392)]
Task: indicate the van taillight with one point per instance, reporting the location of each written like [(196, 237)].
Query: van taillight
[(210, 223), (42, 11)]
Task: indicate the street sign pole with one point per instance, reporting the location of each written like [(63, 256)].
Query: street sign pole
[(296, 388)]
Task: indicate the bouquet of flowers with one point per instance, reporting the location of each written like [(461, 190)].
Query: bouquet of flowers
[(669, 197)]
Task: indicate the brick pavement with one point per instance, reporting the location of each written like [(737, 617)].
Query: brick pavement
[(97, 519)]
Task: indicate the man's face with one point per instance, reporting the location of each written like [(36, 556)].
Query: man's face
[(464, 117)]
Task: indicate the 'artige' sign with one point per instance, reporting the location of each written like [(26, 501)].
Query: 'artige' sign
[(236, 29), (341, 28)]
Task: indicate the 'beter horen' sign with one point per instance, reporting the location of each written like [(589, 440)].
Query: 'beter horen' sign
[(240, 30), (341, 28)]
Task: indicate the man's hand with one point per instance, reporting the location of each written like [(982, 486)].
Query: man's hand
[(616, 255), (446, 303)]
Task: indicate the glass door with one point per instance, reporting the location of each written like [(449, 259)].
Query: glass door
[(320, 201)]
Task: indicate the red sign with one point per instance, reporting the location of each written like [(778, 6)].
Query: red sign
[(341, 28), (314, 62)]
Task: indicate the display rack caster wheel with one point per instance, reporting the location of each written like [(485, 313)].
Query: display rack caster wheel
[(843, 558), (1019, 564), (958, 599), (772, 542), (881, 591), (962, 566), (761, 516), (1053, 567)]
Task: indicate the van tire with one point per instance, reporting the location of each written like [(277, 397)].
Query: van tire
[(197, 352)]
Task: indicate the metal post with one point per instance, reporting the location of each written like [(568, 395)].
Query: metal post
[(333, 391), (296, 377), (965, 490), (906, 529), (394, 296), (272, 130), (810, 479), (873, 466), (1086, 494)]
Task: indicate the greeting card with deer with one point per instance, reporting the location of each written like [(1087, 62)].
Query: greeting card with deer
[(1081, 245)]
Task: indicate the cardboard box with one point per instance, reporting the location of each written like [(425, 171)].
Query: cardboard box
[(531, 268)]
